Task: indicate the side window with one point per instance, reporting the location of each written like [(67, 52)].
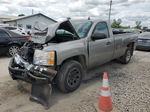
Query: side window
[(20, 25), (102, 28), (28, 26), (3, 34)]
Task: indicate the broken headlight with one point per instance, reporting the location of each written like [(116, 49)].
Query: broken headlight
[(22, 62), (44, 58)]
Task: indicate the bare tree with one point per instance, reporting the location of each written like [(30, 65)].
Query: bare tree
[(138, 24)]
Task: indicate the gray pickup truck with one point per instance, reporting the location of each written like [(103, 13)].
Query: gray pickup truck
[(63, 52)]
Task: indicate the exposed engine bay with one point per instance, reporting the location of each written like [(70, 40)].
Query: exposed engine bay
[(55, 33), (27, 51)]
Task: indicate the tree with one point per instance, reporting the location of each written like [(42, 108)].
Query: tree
[(21, 15), (138, 24), (116, 23)]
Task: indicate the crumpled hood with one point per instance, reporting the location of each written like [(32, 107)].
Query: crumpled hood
[(51, 31), (46, 35)]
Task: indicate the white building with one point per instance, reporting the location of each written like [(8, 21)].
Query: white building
[(28, 22)]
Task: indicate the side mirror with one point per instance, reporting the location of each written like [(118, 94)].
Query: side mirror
[(97, 36)]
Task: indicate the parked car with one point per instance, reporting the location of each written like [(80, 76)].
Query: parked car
[(14, 29), (65, 51), (11, 42), (144, 41), (2, 25)]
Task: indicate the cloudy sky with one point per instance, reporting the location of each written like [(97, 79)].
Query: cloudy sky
[(128, 10)]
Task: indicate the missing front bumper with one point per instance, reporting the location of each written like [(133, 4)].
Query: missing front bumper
[(40, 78)]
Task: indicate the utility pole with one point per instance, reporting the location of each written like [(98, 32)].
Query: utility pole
[(32, 11), (110, 10)]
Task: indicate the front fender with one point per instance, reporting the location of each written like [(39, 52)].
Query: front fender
[(69, 49)]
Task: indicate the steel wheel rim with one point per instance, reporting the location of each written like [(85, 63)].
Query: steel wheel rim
[(128, 56), (13, 50), (74, 76)]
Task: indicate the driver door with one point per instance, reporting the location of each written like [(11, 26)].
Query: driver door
[(100, 50)]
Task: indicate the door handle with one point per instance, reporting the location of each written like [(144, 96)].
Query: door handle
[(108, 43)]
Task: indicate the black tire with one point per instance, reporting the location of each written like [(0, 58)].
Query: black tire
[(125, 59), (12, 50), (70, 76)]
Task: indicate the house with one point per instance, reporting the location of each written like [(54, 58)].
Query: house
[(28, 22)]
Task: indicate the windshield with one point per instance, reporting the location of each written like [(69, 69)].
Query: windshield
[(82, 27)]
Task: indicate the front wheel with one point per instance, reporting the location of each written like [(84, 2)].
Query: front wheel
[(70, 76), (125, 59)]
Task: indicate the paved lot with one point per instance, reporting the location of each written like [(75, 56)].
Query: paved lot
[(130, 88)]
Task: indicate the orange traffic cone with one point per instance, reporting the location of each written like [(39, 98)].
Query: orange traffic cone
[(105, 102)]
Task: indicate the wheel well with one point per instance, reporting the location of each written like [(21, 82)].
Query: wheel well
[(131, 45), (80, 58), (15, 44)]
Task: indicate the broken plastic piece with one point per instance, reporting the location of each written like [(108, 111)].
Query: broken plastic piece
[(41, 93)]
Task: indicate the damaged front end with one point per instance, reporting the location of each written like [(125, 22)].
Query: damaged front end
[(36, 65), (21, 67)]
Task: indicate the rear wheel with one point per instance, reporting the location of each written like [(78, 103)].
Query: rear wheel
[(12, 50), (69, 76), (125, 59)]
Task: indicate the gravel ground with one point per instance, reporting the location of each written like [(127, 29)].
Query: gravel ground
[(130, 89)]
